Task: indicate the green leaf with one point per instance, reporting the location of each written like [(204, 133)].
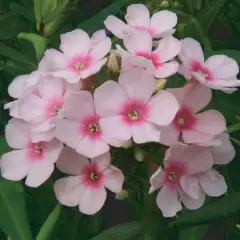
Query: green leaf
[(96, 22), (13, 220), (39, 42), (17, 56), (194, 233), (209, 12), (223, 207), (49, 225), (24, 11), (125, 231)]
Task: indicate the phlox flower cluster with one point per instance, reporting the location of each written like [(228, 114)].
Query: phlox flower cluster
[(59, 120)]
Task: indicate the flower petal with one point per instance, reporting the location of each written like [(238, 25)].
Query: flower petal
[(69, 191), (191, 50), (109, 90), (38, 173), (169, 135), (16, 87), (222, 66), (190, 186), (138, 42), (146, 132), (92, 200), (156, 180), (166, 69), (116, 26), (71, 162), (167, 201), (16, 133), (103, 161), (168, 48), (113, 179), (138, 16), (213, 183), (92, 148), (192, 203), (139, 85), (101, 49), (114, 127), (53, 150), (14, 165), (75, 42), (224, 153), (162, 21), (194, 136), (163, 108)]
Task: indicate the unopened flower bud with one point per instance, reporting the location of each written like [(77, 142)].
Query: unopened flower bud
[(122, 195), (114, 64), (139, 154), (160, 84), (128, 144)]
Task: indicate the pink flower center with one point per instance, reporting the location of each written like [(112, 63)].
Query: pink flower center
[(184, 119), (203, 71), (53, 107), (80, 63), (173, 173), (36, 150), (134, 112), (90, 127), (151, 56), (92, 177)]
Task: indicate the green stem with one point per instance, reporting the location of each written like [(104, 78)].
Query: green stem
[(47, 228), (236, 141), (234, 128)]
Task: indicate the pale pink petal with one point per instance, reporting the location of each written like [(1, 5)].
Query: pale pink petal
[(42, 136), (169, 135), (156, 180), (166, 69), (129, 62), (71, 162), (145, 132), (103, 161), (79, 105), (191, 50), (69, 76), (210, 122), (224, 153), (101, 49), (93, 69), (53, 150), (92, 200), (108, 98), (162, 21), (75, 43), (16, 133), (13, 109), (116, 26), (163, 108), (197, 97), (222, 66), (138, 85), (168, 48), (16, 87), (14, 165), (32, 79), (167, 201), (69, 191), (92, 148), (54, 60), (68, 132), (113, 179), (185, 71), (114, 142), (138, 16), (198, 159), (213, 183), (194, 136), (31, 108), (190, 186), (50, 87), (138, 42), (192, 203), (174, 152), (98, 36), (38, 173), (114, 127)]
